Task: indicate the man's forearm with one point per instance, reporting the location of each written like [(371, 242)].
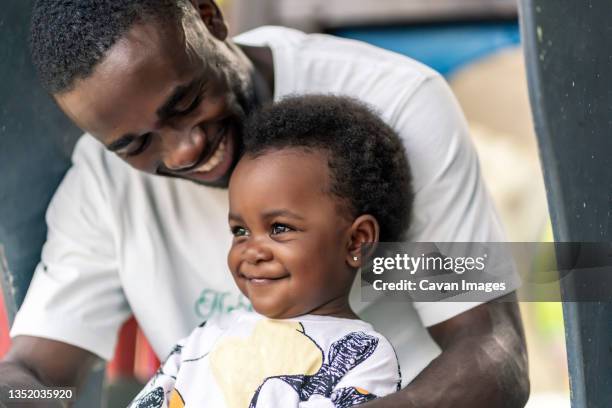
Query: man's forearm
[(483, 363), (474, 373), (34, 363), (14, 377)]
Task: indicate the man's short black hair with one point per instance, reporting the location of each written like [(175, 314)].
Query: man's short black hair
[(70, 37), (368, 165)]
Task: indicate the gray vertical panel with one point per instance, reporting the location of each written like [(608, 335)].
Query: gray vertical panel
[(35, 143), (36, 140), (569, 63)]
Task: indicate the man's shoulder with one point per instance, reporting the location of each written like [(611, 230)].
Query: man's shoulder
[(330, 48), (91, 159), (94, 168), (88, 151), (266, 35), (320, 63)]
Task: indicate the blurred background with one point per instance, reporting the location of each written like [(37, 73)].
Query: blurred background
[(475, 44)]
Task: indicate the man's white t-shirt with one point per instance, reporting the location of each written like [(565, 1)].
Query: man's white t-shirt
[(243, 359), (123, 242)]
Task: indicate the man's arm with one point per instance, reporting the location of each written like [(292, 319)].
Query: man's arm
[(483, 363), (34, 362), (78, 264)]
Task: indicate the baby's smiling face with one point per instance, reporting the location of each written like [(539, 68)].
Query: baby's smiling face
[(290, 251)]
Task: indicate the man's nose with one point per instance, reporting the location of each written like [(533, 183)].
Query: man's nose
[(257, 252), (183, 148)]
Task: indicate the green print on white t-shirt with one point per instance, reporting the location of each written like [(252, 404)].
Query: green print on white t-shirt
[(213, 302)]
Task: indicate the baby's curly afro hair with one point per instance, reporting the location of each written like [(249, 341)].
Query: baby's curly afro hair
[(368, 165)]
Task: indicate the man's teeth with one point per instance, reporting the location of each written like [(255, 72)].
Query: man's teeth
[(214, 160)]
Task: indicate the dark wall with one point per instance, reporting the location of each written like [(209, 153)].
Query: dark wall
[(35, 144)]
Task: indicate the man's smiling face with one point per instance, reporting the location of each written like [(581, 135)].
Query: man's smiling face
[(168, 98)]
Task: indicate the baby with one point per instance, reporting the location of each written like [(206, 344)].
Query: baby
[(321, 176)]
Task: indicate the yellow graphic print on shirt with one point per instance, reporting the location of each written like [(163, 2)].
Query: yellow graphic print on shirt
[(176, 400), (274, 348)]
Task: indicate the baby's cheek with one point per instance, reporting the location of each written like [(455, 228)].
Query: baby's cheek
[(232, 259)]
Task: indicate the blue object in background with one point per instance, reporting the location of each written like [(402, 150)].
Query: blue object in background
[(443, 47)]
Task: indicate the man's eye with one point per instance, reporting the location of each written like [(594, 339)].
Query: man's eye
[(278, 228), (192, 106), (181, 109), (141, 145), (239, 231)]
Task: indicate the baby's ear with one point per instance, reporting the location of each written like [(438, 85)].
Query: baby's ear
[(365, 230)]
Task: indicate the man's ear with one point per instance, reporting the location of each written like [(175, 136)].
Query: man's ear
[(365, 230), (212, 17)]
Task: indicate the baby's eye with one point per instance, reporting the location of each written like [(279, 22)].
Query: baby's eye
[(239, 231), (278, 228)]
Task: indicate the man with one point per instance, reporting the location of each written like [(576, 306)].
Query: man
[(160, 86)]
